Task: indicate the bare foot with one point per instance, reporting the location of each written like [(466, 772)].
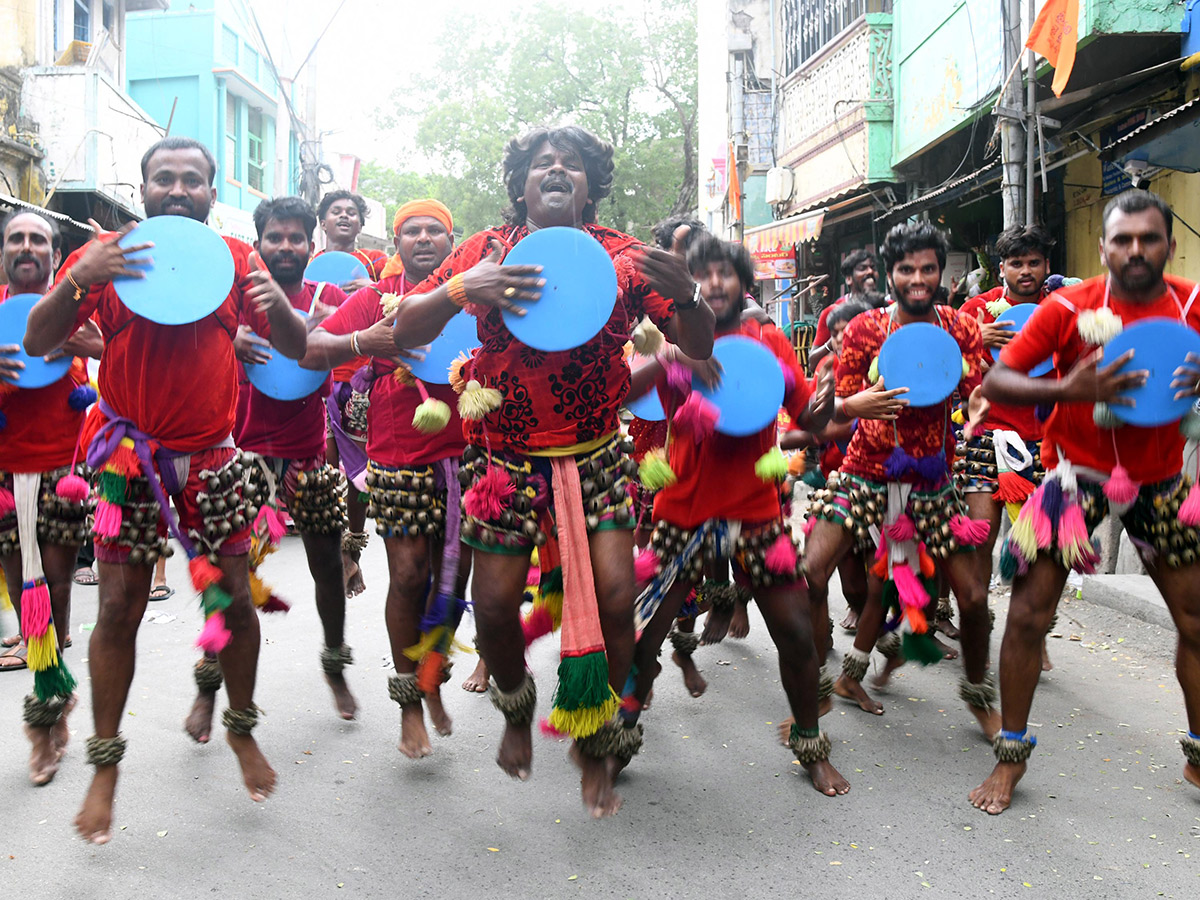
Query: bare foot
[(44, 755), (477, 681), (854, 691), (60, 733), (739, 626), (596, 785), (94, 820), (948, 652), (850, 622), (1192, 773), (1046, 664), (515, 755), (882, 679), (824, 706), (414, 739), (256, 771), (785, 730), (716, 626), (692, 679), (827, 779), (442, 723), (995, 794), (199, 719), (989, 720), (343, 700), (353, 576), (946, 627)]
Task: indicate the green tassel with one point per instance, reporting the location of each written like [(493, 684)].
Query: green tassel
[(772, 466), (582, 682), (551, 582), (920, 648), (966, 368), (873, 372), (1008, 563), (112, 487), (431, 416), (655, 472), (214, 599), (56, 681), (814, 479)]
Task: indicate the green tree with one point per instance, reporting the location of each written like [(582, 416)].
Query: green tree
[(631, 80)]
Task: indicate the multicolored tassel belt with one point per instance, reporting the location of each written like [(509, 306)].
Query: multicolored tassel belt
[(977, 468), (61, 520)]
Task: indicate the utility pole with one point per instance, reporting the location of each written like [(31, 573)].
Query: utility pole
[(1031, 120), (1011, 112)]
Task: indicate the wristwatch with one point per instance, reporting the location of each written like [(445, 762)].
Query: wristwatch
[(689, 304)]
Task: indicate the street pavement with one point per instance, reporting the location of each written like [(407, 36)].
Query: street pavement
[(714, 806)]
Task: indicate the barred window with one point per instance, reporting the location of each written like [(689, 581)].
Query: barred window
[(809, 25)]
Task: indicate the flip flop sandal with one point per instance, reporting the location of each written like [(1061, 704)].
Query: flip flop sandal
[(86, 576), (10, 641), (162, 592), (13, 659)]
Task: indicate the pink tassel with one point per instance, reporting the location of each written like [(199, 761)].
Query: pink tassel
[(1042, 526), (912, 594), (970, 532), (269, 516), (881, 550), (72, 488), (679, 378), (533, 576), (215, 636), (902, 529), (809, 524), (789, 378), (7, 503), (487, 499), (275, 605), (697, 416), (645, 567), (781, 558), (35, 609), (108, 519), (538, 623), (550, 731), (1120, 488), (1189, 512), (1072, 528)]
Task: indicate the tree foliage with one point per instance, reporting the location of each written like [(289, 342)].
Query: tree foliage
[(629, 78)]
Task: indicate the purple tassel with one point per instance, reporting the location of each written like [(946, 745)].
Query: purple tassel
[(1053, 283), (541, 493), (436, 614), (1052, 499), (897, 464), (1042, 411), (789, 378), (362, 379), (82, 397), (931, 468), (679, 378)]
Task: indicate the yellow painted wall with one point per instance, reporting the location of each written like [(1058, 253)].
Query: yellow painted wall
[(18, 32), (1085, 206)]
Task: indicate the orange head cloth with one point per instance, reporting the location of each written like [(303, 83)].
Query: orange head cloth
[(412, 208)]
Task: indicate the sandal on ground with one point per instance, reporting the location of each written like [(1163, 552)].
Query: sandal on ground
[(13, 658), (85, 575), (10, 641), (161, 592)]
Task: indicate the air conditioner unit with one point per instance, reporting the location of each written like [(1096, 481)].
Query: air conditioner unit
[(780, 181)]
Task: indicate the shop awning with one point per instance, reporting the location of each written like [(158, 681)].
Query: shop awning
[(15, 203), (784, 233), (944, 194), (1172, 141)]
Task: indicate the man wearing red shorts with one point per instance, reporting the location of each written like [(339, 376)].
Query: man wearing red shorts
[(147, 381)]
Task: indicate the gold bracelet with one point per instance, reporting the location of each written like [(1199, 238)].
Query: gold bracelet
[(78, 290), (354, 344), (457, 292)]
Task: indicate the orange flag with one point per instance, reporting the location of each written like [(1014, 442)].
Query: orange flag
[(735, 185), (1054, 35)]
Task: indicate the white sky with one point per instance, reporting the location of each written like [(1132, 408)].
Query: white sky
[(371, 48)]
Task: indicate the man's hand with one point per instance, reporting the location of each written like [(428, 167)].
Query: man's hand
[(876, 402), (105, 259), (977, 410), (1187, 378), (10, 369), (266, 292), (490, 284), (319, 313), (820, 405), (666, 271), (86, 342), (708, 370), (995, 334), (1089, 382), (248, 347), (355, 284)]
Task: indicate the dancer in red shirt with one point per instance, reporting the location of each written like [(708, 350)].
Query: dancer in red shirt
[(147, 381), (1095, 466)]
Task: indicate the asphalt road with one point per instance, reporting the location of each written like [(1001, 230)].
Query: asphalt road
[(714, 807)]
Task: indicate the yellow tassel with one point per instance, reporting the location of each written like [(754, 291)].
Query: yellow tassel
[(403, 376), (1022, 534), (389, 303), (998, 307), (873, 371), (42, 650), (957, 417), (5, 602), (580, 723), (1098, 326), (476, 401), (458, 369), (425, 644), (1014, 510), (647, 339), (260, 592)]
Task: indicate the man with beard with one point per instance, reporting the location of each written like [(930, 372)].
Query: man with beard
[(545, 424), (410, 473), (1094, 468), (693, 519), (1010, 439), (284, 441), (147, 383), (896, 473), (341, 214), (859, 273), (39, 431)]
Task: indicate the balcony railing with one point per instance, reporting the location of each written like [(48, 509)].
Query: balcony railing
[(811, 25)]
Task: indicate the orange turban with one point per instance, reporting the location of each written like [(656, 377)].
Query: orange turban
[(423, 208), (429, 207)]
